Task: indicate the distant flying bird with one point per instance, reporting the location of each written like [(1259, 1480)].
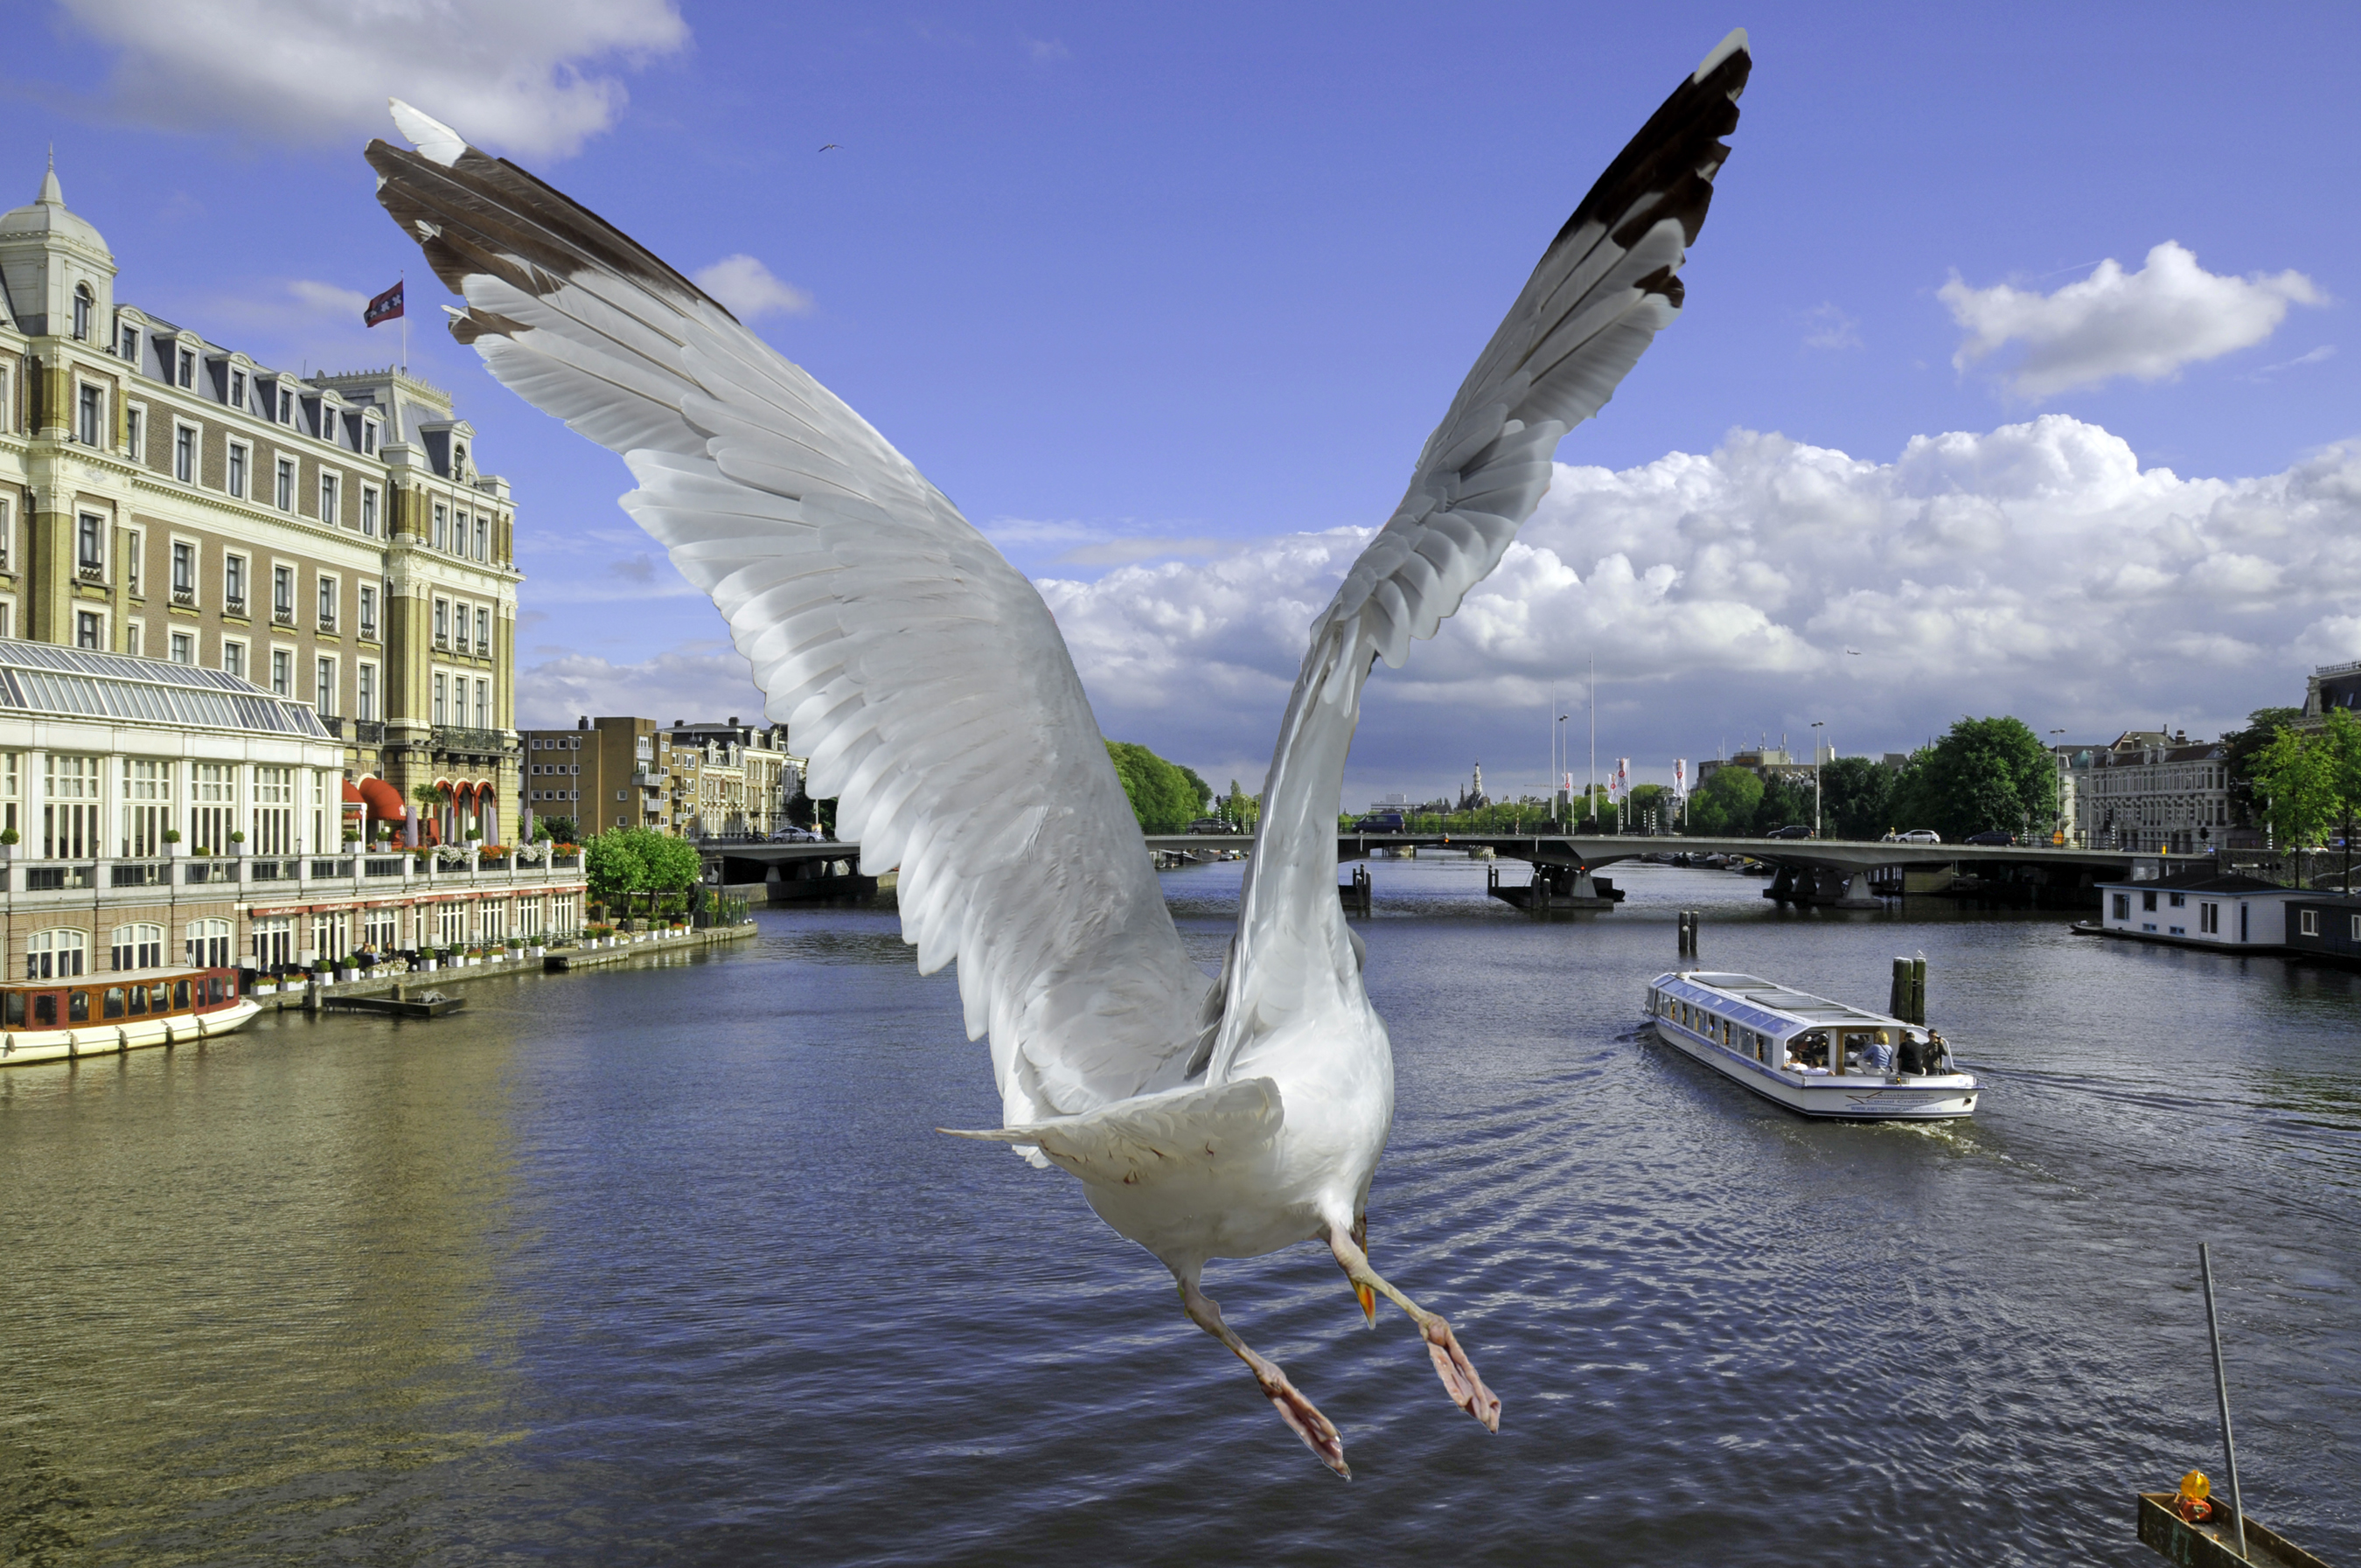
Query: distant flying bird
[(831, 147), (1854, 651), (927, 681)]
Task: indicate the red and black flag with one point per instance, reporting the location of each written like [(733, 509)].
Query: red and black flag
[(384, 308)]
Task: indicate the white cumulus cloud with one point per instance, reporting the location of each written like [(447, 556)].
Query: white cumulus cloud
[(746, 289), (692, 683), (2145, 325), (2034, 569), (533, 77)]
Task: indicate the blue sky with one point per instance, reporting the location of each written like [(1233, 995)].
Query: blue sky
[(1163, 298)]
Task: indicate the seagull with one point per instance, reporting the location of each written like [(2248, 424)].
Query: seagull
[(832, 147), (1205, 1118)]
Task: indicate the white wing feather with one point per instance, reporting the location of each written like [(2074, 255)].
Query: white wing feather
[(921, 671), (1607, 285)]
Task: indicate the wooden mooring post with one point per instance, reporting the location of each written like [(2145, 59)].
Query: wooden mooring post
[(1689, 921), (1357, 893)]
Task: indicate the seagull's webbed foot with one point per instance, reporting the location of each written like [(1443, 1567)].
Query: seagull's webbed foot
[(1450, 1363), (1301, 1416)]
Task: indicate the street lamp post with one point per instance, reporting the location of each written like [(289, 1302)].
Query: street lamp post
[(1816, 725), (2057, 790)]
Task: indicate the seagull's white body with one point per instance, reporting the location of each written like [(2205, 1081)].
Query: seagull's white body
[(937, 701)]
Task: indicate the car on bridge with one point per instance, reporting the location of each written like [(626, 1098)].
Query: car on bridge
[(1792, 830), (1915, 835), (1993, 837), (1379, 822)]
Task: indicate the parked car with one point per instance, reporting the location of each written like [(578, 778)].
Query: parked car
[(1792, 830), (1915, 835), (1993, 837)]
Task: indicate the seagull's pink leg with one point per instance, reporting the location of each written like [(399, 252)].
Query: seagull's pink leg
[(1302, 1418), (1450, 1363)]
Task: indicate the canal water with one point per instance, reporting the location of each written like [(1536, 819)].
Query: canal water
[(667, 1267)]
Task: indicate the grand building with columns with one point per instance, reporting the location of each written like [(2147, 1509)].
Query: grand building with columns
[(330, 538)]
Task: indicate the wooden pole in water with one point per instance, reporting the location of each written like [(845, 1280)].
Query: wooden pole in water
[(1919, 990), (2222, 1392), (1897, 995)]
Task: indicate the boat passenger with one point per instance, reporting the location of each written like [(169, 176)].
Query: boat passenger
[(1876, 1053)]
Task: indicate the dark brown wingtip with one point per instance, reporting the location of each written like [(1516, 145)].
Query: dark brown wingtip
[(482, 210), (1684, 135)]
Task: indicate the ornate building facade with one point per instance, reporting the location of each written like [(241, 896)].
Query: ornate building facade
[(329, 537)]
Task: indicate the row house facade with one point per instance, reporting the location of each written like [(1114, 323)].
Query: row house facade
[(329, 539), (732, 780), (697, 781), (2149, 790)]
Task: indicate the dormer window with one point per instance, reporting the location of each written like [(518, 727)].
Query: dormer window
[(128, 344), (82, 301), (186, 370), (459, 461), (238, 388), (368, 436), (286, 406)]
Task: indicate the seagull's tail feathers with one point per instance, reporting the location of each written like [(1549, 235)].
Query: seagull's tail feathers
[(1137, 1141)]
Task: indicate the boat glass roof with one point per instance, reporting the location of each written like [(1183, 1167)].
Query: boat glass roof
[(1770, 1008)]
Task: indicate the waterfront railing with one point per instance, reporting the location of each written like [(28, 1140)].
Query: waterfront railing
[(326, 876)]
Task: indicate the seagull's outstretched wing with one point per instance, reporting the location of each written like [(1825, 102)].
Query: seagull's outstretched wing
[(921, 672), (1606, 286)]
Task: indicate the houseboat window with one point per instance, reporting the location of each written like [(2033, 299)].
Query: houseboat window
[(2179, 900), (13, 1015), (111, 1005), (160, 998), (180, 996), (2147, 903), (45, 1009), (2308, 923), (214, 991), (2122, 906), (138, 1001), (77, 1007)]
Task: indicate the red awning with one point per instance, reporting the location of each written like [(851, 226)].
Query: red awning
[(383, 800)]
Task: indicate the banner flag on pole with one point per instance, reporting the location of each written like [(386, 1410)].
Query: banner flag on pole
[(386, 307), (1681, 778)]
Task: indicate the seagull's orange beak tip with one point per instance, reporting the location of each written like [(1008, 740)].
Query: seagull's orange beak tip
[(1368, 1299)]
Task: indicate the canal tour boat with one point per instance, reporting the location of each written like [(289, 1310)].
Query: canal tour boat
[(1813, 1055), (100, 1014)]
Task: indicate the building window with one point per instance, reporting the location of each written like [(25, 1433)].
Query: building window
[(88, 415), (184, 453), (286, 406), (442, 697), (90, 545), (233, 658), (131, 563), (328, 604), (134, 434), (237, 456), (139, 946), (366, 706), (282, 595), (324, 685), (483, 538), (87, 630), (127, 342), (483, 705), (483, 631), (2122, 906), (282, 671), (234, 584), (442, 526), (147, 807), (184, 573), (368, 610), (369, 435), (2147, 903), (368, 511), (283, 493), (69, 816), (53, 955), (184, 373), (82, 301), (184, 648), (2307, 923), (442, 623), (238, 388), (135, 639), (209, 944)]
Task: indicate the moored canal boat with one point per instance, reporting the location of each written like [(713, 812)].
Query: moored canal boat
[(101, 1015), (1815, 1056)]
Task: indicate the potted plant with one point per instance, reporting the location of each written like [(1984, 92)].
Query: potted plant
[(237, 840), (7, 843), (172, 840)]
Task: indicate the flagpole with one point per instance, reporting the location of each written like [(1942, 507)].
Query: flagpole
[(401, 281)]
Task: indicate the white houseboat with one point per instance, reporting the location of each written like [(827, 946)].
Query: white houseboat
[(1813, 1055), (101, 1015)]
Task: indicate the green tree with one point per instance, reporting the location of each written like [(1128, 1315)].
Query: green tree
[(563, 829), (623, 864), (2309, 781), (1784, 803), (1984, 774), (1855, 797), (1651, 807), (2243, 749), (1239, 809), (1163, 797), (1203, 790), (1724, 806)]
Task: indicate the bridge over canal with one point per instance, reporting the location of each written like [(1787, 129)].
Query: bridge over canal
[(1811, 871)]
